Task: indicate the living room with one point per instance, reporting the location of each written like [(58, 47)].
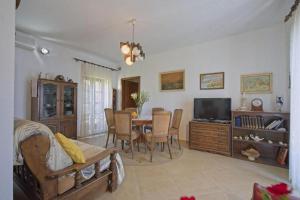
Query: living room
[(224, 78)]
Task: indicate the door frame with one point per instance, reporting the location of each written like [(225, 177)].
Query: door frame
[(123, 91)]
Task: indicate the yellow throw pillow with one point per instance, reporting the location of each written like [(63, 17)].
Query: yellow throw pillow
[(71, 148)]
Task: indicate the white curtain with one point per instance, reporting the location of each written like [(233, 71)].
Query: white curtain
[(96, 95), (295, 100)]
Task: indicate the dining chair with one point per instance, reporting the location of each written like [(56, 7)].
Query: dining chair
[(149, 127), (109, 115), (131, 110), (174, 129), (157, 109), (123, 124), (160, 131)]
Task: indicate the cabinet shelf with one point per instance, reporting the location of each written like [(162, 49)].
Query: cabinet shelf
[(261, 160), (259, 143), (269, 152), (259, 130)]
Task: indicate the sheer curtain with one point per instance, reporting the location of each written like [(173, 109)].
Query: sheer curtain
[(96, 94), (295, 100)]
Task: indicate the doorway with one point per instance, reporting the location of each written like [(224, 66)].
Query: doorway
[(129, 85)]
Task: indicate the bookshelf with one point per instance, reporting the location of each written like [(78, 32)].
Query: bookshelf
[(255, 123)]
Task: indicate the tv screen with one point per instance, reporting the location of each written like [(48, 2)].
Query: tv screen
[(212, 108)]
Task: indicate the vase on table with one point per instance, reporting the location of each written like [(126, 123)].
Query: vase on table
[(139, 111)]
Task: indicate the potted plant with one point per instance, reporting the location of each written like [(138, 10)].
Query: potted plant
[(139, 99)]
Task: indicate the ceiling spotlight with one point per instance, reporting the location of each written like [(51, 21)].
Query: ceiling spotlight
[(44, 51)]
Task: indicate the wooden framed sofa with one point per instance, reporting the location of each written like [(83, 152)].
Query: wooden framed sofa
[(39, 182)]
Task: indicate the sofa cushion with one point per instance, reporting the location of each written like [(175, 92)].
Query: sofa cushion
[(71, 148), (88, 150)]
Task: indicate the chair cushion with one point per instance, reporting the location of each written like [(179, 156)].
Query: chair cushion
[(135, 134), (71, 148), (173, 131), (157, 137)]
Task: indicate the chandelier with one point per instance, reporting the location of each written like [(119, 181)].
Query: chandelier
[(132, 51)]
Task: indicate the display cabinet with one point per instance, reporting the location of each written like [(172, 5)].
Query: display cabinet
[(55, 105)]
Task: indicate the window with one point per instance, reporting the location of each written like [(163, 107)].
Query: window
[(95, 95)]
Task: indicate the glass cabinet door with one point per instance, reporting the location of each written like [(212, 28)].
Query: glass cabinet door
[(68, 100), (49, 100)]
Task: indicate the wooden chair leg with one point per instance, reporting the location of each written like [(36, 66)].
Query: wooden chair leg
[(146, 146), (151, 146), (178, 141), (131, 145), (114, 135), (169, 150), (138, 145), (115, 142), (122, 143), (107, 140), (161, 147)]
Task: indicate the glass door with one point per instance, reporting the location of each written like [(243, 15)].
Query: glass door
[(49, 99), (69, 100)]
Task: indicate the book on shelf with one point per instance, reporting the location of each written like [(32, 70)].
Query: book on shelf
[(238, 121), (258, 122)]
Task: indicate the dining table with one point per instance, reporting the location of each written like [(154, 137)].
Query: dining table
[(141, 122)]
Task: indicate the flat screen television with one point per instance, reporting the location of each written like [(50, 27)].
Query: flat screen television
[(212, 109)]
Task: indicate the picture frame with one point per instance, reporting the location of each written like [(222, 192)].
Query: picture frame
[(257, 83), (212, 81), (172, 80)]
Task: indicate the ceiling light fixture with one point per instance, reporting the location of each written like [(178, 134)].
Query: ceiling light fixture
[(44, 51), (132, 51)]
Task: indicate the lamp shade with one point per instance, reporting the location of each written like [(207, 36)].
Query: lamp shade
[(125, 48), (136, 49), (128, 61)]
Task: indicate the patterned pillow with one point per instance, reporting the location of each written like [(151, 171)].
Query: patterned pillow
[(275, 192)]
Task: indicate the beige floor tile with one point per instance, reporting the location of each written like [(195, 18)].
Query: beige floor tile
[(204, 175)]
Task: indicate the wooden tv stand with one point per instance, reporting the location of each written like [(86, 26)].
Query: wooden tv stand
[(210, 136)]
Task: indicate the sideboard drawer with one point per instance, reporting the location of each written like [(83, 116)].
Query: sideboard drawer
[(212, 137)]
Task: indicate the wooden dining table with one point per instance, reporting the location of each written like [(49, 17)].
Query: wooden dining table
[(142, 121)]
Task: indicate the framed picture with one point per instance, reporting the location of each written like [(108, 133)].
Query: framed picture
[(256, 83), (212, 81), (172, 81)]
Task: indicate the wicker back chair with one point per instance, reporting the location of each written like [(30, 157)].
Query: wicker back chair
[(174, 129), (158, 109), (109, 115), (123, 125), (131, 110), (160, 131)]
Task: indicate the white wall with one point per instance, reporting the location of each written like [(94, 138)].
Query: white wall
[(7, 37), (262, 50), (60, 61)]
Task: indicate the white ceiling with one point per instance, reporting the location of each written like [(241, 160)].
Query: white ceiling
[(98, 26)]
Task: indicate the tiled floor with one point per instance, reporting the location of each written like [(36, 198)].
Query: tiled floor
[(204, 175)]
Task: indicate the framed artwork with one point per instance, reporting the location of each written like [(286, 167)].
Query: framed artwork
[(172, 81), (256, 83), (212, 81)]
